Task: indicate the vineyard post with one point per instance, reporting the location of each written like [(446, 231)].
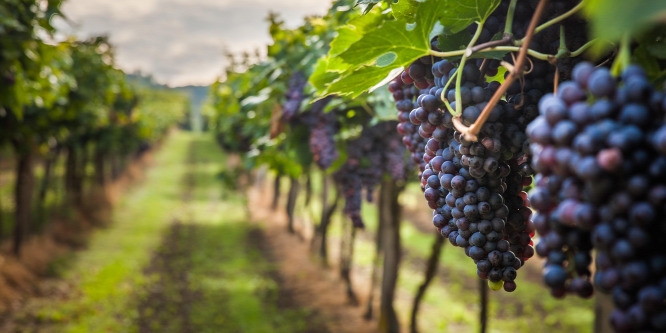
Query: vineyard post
[(347, 258), (23, 193), (390, 212), (291, 202), (100, 162), (483, 303), (603, 307), (308, 188), (71, 173), (376, 262), (430, 272), (51, 159), (276, 192), (319, 240)]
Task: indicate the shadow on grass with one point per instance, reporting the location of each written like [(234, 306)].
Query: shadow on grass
[(217, 278)]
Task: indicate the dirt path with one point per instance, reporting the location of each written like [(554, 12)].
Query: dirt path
[(169, 300), (317, 288)]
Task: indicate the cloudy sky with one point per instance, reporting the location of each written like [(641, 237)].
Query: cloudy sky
[(182, 41)]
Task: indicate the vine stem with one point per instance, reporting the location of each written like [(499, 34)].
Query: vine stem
[(471, 133), (508, 25), (557, 19), (479, 28), (583, 48), (493, 43), (456, 53)]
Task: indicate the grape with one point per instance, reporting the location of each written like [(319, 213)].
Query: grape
[(380, 146), (600, 189), (322, 141), (294, 95)]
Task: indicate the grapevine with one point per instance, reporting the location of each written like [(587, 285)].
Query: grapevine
[(493, 99)]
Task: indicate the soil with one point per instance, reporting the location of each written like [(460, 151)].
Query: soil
[(307, 283)]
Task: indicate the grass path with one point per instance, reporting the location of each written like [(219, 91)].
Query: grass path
[(179, 257)]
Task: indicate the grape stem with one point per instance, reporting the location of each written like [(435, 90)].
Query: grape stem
[(503, 44), (471, 133), (507, 40), (443, 97), (456, 53)]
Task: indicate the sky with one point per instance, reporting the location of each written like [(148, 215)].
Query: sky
[(181, 42)]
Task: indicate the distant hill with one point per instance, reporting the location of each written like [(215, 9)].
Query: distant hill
[(197, 95)]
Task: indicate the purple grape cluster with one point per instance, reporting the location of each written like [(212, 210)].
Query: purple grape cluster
[(322, 134), (601, 183), (476, 188), (377, 151), (466, 182), (294, 95), (404, 92)]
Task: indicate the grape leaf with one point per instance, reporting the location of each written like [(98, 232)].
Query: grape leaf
[(354, 30), (457, 41), (457, 15), (355, 84), (369, 4), (396, 42), (611, 19), (454, 15), (327, 70)]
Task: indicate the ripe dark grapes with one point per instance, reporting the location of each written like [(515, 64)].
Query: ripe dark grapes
[(594, 145)]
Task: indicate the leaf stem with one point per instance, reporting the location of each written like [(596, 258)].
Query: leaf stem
[(623, 57), (461, 66), (508, 25), (493, 43)]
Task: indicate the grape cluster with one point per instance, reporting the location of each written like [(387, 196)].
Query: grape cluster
[(322, 132), (404, 91), (601, 183), (466, 182), (294, 95), (476, 188), (377, 151)]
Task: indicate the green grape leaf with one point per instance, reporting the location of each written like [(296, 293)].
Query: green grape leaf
[(452, 42), (327, 70), (395, 43), (457, 15), (361, 80), (353, 31), (611, 19), (372, 50), (368, 4)]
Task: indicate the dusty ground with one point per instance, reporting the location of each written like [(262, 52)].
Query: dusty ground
[(309, 284)]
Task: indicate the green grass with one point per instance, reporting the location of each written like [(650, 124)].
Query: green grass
[(232, 281)]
